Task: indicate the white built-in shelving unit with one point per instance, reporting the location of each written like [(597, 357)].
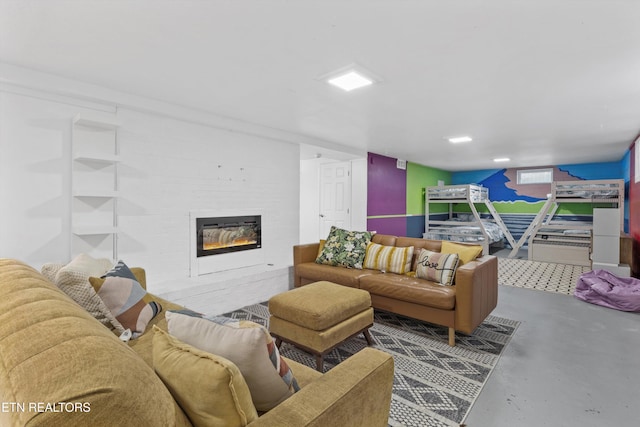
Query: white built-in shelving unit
[(94, 185)]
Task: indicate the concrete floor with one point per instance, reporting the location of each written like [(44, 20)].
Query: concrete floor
[(569, 363)]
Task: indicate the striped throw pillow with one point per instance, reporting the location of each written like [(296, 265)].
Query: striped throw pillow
[(437, 267), (388, 258)]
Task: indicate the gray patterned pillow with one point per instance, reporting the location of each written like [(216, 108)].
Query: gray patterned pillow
[(345, 248)]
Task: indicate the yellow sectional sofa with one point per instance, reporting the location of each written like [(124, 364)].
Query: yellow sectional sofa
[(461, 307), (59, 366)]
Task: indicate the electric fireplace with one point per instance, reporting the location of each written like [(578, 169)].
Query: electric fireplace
[(219, 235)]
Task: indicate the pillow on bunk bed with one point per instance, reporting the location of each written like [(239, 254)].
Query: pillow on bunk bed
[(466, 253)]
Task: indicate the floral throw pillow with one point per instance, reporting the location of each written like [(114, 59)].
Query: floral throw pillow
[(345, 248)]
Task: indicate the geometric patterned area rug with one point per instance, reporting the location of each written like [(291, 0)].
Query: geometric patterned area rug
[(543, 276), (434, 384)]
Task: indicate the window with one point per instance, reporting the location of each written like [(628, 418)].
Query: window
[(535, 176)]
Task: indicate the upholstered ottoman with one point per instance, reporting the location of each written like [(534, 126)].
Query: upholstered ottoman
[(318, 317)]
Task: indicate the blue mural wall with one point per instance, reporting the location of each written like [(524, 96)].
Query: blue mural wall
[(515, 201), (503, 186)]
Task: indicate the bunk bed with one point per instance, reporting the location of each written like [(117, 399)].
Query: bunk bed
[(570, 242), (464, 227)]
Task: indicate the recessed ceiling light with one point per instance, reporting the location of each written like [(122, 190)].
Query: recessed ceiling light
[(351, 77), (458, 139), (501, 159), (350, 81)]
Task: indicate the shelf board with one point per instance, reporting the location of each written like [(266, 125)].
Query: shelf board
[(101, 194), (98, 121), (97, 157), (94, 230)]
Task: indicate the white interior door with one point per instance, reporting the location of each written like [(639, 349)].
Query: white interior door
[(335, 196)]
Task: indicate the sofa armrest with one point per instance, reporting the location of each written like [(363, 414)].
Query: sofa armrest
[(476, 292), (301, 254), (305, 253), (357, 392)]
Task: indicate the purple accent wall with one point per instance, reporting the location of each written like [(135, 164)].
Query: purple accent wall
[(396, 226), (386, 187)]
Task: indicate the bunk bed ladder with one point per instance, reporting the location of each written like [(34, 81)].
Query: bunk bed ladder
[(500, 222), (478, 222), (533, 227)]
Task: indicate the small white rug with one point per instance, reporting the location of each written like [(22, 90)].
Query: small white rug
[(543, 276)]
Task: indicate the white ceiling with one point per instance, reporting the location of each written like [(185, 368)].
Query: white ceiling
[(540, 81)]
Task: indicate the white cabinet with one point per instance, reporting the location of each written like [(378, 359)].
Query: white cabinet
[(606, 241), (94, 185)]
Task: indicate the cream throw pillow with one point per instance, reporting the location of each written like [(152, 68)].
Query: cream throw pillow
[(50, 270), (437, 267), (388, 258), (73, 279), (248, 345), (209, 388)]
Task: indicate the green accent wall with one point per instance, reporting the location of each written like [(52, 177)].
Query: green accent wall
[(418, 178), (518, 207)]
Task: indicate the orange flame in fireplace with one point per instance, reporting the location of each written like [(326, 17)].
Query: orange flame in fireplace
[(219, 245)]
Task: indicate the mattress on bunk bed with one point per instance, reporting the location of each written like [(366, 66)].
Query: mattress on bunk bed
[(603, 288), (472, 192), (563, 243), (587, 191), (465, 233)]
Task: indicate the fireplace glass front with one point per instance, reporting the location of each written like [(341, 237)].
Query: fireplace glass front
[(218, 235)]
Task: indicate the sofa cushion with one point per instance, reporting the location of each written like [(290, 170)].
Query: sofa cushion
[(467, 253), (209, 388), (437, 267), (246, 344), (390, 259), (410, 289), (312, 272), (344, 248), (73, 279), (385, 239)]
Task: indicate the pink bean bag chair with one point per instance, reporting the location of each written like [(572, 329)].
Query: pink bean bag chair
[(603, 288)]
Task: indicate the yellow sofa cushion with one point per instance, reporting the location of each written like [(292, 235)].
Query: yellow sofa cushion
[(466, 253), (209, 388)]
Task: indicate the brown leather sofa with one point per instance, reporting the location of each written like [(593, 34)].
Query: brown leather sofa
[(461, 307)]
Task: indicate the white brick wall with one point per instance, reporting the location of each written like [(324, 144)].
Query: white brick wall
[(168, 168)]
